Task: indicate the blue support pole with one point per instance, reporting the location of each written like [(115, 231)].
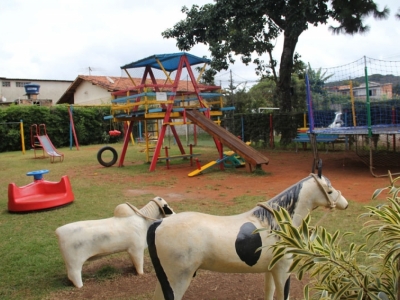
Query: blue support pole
[(140, 130)]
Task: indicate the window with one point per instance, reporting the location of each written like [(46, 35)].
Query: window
[(21, 84), (5, 83)]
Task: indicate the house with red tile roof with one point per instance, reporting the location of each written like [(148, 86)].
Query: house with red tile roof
[(97, 90)]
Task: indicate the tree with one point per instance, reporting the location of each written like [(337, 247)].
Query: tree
[(262, 94), (317, 80), (239, 98), (396, 90), (244, 27)]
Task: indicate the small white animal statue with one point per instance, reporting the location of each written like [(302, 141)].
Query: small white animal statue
[(189, 241), (337, 121), (126, 231)]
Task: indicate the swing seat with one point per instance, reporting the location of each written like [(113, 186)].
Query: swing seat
[(114, 132)]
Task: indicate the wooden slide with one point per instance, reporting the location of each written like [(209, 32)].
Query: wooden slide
[(252, 157)]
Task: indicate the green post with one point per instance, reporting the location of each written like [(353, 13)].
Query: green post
[(368, 102)]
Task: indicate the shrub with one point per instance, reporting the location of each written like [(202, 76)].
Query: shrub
[(89, 123), (336, 273)]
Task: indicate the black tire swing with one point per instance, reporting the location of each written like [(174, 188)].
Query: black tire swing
[(107, 163)]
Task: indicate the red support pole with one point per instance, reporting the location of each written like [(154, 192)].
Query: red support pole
[(71, 120), (393, 115), (198, 164), (125, 145), (220, 148)]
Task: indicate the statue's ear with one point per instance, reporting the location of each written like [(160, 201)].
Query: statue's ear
[(168, 210), (319, 168)]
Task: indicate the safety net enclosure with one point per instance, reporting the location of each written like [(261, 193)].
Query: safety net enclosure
[(360, 103)]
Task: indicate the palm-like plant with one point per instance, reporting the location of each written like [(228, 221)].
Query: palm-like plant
[(336, 273)]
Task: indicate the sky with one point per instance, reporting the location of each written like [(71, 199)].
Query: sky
[(61, 39)]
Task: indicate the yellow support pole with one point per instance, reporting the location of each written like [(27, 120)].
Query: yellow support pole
[(21, 129), (165, 72), (131, 135), (353, 109), (129, 75), (201, 72)]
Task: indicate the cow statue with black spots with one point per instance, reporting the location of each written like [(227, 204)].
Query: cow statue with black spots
[(189, 241)]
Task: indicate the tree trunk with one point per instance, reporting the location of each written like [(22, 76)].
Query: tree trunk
[(286, 126)]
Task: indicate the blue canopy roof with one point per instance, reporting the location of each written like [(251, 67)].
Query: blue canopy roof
[(170, 62)]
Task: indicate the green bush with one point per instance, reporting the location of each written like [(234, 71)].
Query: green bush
[(89, 123)]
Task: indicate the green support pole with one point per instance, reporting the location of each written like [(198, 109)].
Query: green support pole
[(368, 102)]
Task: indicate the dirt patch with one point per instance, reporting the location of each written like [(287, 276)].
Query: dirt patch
[(345, 171)]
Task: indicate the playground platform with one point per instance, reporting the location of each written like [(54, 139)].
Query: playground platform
[(165, 98)]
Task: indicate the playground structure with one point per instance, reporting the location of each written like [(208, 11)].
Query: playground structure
[(40, 194), (163, 100), (365, 112), (40, 140)]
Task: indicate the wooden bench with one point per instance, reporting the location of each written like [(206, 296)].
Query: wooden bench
[(167, 157), (303, 138), (183, 156)]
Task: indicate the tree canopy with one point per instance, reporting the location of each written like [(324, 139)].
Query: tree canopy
[(250, 27)]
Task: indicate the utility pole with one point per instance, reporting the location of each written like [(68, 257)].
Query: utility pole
[(232, 88)]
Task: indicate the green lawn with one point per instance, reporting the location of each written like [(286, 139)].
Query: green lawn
[(31, 265)]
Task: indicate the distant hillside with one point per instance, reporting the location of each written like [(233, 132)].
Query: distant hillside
[(382, 79)]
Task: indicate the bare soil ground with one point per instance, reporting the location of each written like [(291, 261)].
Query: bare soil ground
[(345, 171)]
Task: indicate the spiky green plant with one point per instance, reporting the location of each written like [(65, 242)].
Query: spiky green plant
[(337, 273)]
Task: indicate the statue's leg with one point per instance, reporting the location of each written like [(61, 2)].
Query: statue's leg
[(286, 290), (269, 286), (158, 294), (282, 285), (181, 285), (174, 288), (74, 270), (136, 255)]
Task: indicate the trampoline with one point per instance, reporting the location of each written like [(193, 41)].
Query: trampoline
[(366, 110)]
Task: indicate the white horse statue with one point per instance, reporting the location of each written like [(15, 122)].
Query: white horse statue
[(188, 241)]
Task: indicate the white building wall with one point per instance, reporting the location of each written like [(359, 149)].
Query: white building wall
[(49, 89), (87, 94)]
